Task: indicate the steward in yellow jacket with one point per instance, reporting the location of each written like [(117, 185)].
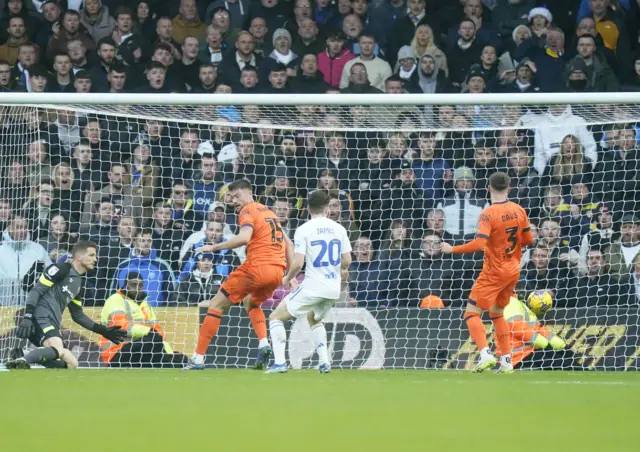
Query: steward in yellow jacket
[(146, 345)]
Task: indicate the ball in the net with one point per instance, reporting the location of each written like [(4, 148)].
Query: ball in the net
[(540, 301)]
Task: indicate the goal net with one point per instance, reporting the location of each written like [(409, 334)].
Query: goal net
[(146, 177)]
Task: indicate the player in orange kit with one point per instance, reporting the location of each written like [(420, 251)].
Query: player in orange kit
[(268, 250), (503, 230)]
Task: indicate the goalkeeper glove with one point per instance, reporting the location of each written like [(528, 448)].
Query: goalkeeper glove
[(113, 333), (26, 327)]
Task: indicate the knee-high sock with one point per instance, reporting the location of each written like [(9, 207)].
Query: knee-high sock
[(41, 355), (319, 336), (278, 340), (208, 330), (258, 321), (476, 330), (503, 338), (57, 364)]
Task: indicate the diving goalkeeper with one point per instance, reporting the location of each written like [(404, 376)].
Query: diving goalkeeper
[(59, 286)]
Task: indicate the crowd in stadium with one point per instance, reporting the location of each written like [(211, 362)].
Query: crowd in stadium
[(149, 192)]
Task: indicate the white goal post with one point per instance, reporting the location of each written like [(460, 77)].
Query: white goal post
[(144, 176)]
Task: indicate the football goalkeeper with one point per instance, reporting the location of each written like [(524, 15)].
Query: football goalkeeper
[(59, 286), (532, 345)]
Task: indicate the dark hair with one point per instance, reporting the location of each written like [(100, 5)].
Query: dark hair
[(156, 65), (82, 247), (249, 67), (209, 64), (500, 181), (145, 231), (4, 63), (107, 40), (69, 12), (318, 201), (393, 78), (586, 36), (366, 34), (240, 184), (161, 46), (277, 67), (123, 10), (131, 276), (119, 68)]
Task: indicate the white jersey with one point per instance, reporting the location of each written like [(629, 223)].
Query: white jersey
[(322, 241)]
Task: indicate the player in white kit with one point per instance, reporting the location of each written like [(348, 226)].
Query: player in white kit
[(324, 246)]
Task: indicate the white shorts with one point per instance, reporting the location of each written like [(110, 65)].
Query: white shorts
[(300, 302)]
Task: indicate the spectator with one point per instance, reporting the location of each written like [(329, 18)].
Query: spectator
[(429, 275), (238, 11), (423, 42), (486, 32), (207, 79), (224, 261), (70, 29), (27, 58), (406, 68), (187, 23), (551, 129), (6, 212), (285, 215), (366, 287), (17, 36), (549, 61), (188, 67), (142, 174), (159, 281), (462, 208), (332, 60), (359, 82), (600, 235), (461, 54), (404, 200), (184, 217), (68, 194), (281, 53), (310, 80), (431, 172), (562, 257), (538, 274), (376, 69), (395, 256), (202, 283), (633, 82), (599, 74), (221, 20), (618, 174), (164, 33), (121, 193), (610, 24), (129, 308), (204, 188), (82, 82), (85, 169), (131, 45), (6, 84), (540, 19), (146, 19), (404, 27), (167, 240), (51, 14), (595, 289), (258, 29), (188, 161), (38, 165), (429, 78), (569, 166), (102, 230), (62, 82), (96, 19), (307, 39), (17, 255), (524, 81), (15, 184), (620, 254), (509, 14), (117, 78), (38, 80), (232, 65), (525, 181), (57, 241), (485, 163), (38, 211)]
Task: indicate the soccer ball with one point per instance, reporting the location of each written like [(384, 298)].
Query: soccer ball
[(539, 301)]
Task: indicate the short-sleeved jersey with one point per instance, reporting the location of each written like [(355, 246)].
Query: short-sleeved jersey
[(267, 244), (322, 241), (503, 224), (59, 285)]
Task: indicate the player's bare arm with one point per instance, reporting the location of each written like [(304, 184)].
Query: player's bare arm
[(345, 263), (241, 239), (289, 280)]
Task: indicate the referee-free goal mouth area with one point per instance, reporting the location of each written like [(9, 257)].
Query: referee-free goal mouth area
[(237, 410)]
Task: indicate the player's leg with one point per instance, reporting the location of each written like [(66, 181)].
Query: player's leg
[(502, 332), (319, 335), (55, 342), (279, 337), (209, 328), (258, 320), (480, 300)]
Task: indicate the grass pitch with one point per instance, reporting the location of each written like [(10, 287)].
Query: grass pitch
[(243, 410)]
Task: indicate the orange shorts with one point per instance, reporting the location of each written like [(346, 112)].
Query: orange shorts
[(257, 281), (489, 291)]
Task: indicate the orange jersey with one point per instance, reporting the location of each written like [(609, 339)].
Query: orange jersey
[(506, 228), (267, 244)]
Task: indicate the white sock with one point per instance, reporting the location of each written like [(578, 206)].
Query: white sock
[(505, 360), (279, 340), (264, 342), (198, 358), (319, 336), (486, 352)]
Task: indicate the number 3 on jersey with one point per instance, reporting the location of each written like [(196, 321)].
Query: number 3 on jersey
[(329, 253)]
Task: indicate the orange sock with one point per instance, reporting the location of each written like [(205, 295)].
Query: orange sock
[(503, 338), (208, 330), (259, 323), (476, 330)]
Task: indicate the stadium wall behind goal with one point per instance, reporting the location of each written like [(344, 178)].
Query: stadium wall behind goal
[(602, 338)]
